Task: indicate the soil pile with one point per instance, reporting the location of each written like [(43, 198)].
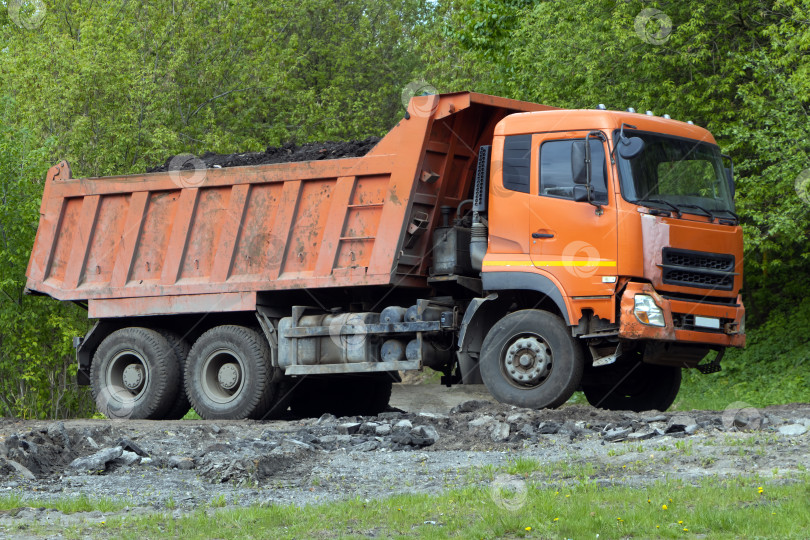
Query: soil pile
[(287, 153)]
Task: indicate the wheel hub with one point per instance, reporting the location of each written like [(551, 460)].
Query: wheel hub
[(228, 376), (133, 376), (528, 361)]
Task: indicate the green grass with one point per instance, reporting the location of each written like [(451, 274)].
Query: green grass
[(732, 508), (66, 505), (192, 415)]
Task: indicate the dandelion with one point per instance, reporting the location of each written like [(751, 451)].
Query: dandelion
[(528, 528), (658, 526), (760, 490), (568, 495), (680, 522), (648, 501), (685, 529), (663, 507), (556, 519)]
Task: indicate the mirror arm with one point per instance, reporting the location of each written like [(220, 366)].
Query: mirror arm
[(599, 136)]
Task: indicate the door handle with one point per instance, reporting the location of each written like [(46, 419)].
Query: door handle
[(542, 235)]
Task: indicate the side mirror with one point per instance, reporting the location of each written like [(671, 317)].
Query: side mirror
[(630, 147), (581, 193), (579, 169)]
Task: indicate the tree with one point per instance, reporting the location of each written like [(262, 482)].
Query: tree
[(122, 85)]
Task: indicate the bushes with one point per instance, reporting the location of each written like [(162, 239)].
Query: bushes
[(773, 368), (36, 376)]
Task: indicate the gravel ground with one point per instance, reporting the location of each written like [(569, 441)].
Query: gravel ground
[(433, 439)]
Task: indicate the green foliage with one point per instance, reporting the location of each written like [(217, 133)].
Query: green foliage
[(122, 85), (36, 375)]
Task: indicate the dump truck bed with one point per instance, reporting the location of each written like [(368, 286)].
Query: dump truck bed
[(184, 242)]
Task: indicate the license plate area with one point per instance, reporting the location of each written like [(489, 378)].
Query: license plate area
[(707, 322)]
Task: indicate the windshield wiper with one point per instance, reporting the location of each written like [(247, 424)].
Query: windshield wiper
[(660, 201), (697, 207), (736, 217)]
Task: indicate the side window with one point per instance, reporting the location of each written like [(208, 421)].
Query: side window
[(556, 177), (517, 162)]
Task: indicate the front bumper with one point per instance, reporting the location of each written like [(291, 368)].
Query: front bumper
[(678, 318)]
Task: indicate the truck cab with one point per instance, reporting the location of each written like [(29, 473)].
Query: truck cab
[(625, 224)]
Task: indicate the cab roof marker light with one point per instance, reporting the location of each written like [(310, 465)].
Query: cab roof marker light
[(649, 113), (668, 117), (601, 107), (631, 109), (690, 122)]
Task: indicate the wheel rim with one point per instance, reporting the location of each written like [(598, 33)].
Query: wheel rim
[(223, 376), (527, 361), (127, 377)]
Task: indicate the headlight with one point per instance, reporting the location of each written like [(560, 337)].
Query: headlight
[(647, 311)]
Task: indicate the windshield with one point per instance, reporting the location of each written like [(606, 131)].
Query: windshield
[(674, 172)]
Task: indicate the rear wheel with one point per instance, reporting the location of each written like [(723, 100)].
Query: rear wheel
[(633, 387), (229, 375), (529, 359), (134, 374)]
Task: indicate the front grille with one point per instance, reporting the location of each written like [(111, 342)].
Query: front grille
[(698, 269)]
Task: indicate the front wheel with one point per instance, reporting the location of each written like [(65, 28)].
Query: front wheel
[(529, 359)]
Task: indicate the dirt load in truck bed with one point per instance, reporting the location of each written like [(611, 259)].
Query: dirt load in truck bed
[(287, 153)]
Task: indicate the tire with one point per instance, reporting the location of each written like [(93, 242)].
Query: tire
[(554, 361), (341, 396), (181, 349), (228, 374), (640, 387), (134, 374)]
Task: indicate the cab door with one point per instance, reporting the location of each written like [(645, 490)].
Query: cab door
[(574, 241)]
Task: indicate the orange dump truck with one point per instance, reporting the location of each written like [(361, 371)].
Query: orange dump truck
[(534, 249)]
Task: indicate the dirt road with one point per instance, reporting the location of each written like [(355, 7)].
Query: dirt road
[(436, 440)]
